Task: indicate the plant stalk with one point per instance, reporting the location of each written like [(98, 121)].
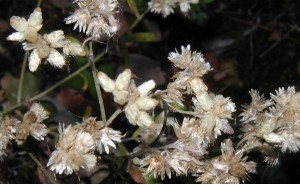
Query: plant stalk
[(20, 88), (97, 86), (43, 93)]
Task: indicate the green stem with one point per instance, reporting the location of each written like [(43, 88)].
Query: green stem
[(39, 3), (137, 20), (97, 86), (51, 179), (20, 88), (112, 117), (96, 59)]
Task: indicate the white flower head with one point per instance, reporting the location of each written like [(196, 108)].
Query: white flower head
[(96, 18), (32, 124), (74, 150), (258, 104), (104, 137), (119, 87), (73, 49), (8, 128), (135, 99), (157, 165), (82, 17), (26, 29), (139, 102), (164, 7), (228, 168), (185, 5), (192, 67), (46, 47), (282, 96)]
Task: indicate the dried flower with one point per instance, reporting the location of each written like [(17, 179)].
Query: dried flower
[(228, 168), (95, 17), (185, 5), (137, 99), (214, 112), (252, 111), (32, 124), (276, 128), (103, 136), (139, 102), (74, 150), (119, 87), (157, 165), (26, 29), (193, 67), (164, 7), (8, 127), (161, 163), (42, 47), (46, 48)]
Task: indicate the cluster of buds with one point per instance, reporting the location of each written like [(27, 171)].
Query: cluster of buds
[(166, 7), (137, 100), (96, 18), (272, 125), (31, 124), (42, 47)]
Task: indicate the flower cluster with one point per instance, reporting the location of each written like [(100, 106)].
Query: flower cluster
[(76, 145), (137, 100), (166, 7), (42, 46), (7, 133), (211, 112), (230, 167), (272, 125), (200, 127), (161, 163), (74, 150), (95, 17), (103, 136), (32, 124)]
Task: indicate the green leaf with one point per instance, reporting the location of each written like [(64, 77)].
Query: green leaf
[(133, 8), (151, 180), (29, 88), (88, 111), (124, 52), (141, 37), (78, 82)]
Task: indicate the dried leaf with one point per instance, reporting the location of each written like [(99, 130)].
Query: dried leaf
[(135, 173)]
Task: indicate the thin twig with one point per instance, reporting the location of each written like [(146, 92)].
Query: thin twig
[(51, 179), (113, 116), (137, 21), (143, 150), (275, 44), (20, 88), (97, 86), (96, 59), (39, 3)]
